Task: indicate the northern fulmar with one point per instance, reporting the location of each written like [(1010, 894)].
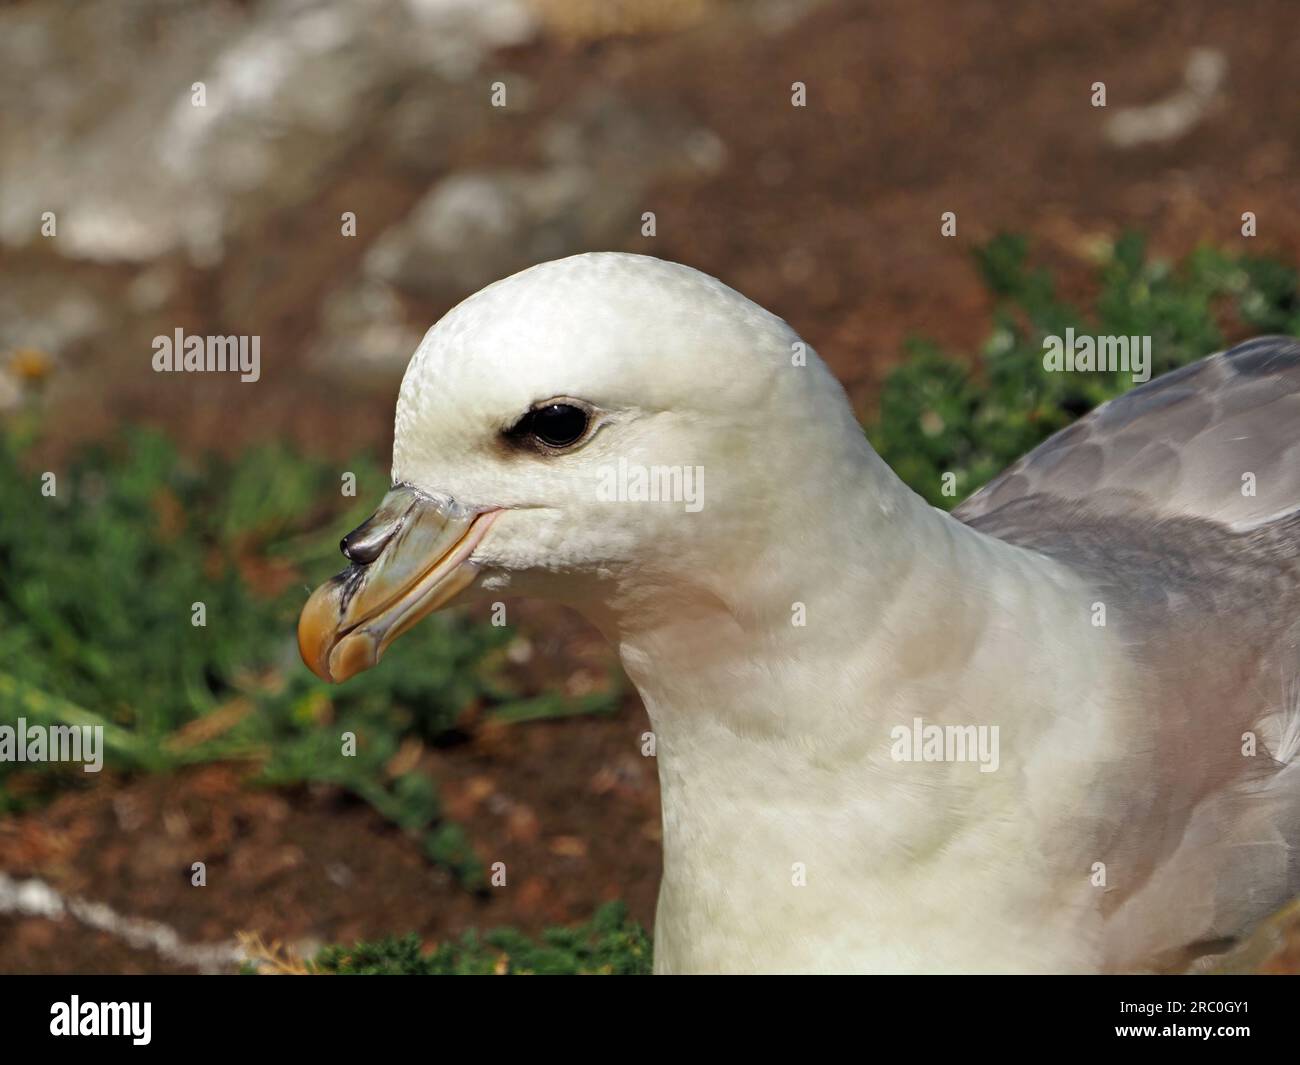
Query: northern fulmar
[(1056, 730)]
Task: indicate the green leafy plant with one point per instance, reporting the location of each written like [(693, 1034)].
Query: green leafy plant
[(608, 944), (98, 590), (975, 417)]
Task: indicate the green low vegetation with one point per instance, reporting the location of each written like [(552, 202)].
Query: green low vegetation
[(98, 590), (609, 944), (973, 417)]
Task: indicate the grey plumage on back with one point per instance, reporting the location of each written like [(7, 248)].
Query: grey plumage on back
[(1178, 445), (1184, 491), (1179, 502)]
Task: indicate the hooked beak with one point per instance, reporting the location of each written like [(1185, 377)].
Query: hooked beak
[(410, 558)]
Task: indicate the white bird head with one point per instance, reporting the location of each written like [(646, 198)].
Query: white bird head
[(541, 424)]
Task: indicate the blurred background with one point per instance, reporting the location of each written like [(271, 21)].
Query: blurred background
[(481, 744)]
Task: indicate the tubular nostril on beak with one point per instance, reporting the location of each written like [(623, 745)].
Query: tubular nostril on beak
[(363, 544)]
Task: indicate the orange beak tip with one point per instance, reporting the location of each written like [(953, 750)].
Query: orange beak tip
[(353, 654), (317, 626)]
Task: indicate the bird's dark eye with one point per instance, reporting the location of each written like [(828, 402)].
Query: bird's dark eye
[(556, 424)]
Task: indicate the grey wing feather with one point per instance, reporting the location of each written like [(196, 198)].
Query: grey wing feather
[(1182, 445), (1143, 498)]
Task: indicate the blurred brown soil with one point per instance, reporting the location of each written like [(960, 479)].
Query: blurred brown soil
[(569, 806), (828, 215)]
